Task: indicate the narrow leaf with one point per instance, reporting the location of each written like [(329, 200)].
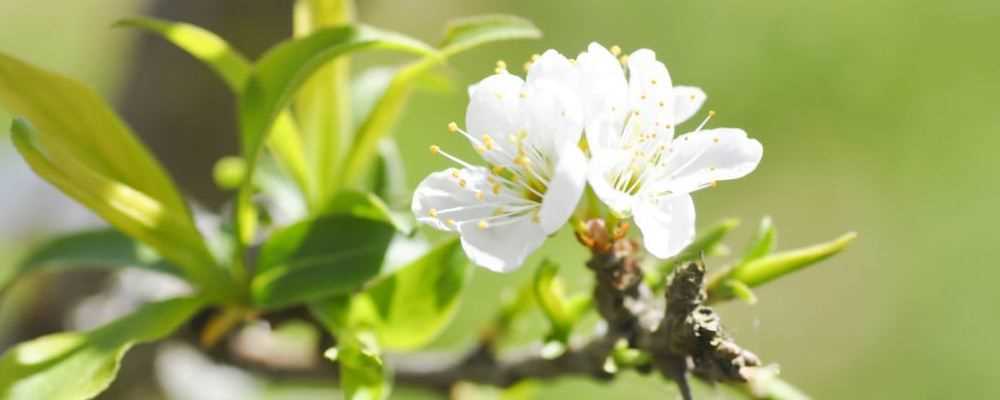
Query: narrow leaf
[(466, 33), (73, 122), (766, 269), (704, 243), (130, 210), (764, 243), (760, 271), (281, 72), (551, 298), (79, 366), (363, 374), (323, 105), (462, 35), (234, 69), (105, 248)]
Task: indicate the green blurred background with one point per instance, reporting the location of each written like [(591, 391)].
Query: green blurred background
[(876, 116)]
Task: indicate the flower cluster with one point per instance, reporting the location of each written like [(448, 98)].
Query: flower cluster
[(533, 134)]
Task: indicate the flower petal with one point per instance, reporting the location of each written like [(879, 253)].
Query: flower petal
[(552, 69), (700, 158), (667, 224), (439, 198), (600, 172), (494, 109), (687, 101), (564, 189), (650, 94), (552, 117), (603, 94), (501, 248)]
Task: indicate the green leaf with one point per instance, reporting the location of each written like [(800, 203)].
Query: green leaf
[(561, 312), (466, 33), (234, 69), (202, 44), (323, 105), (106, 248), (280, 73), (762, 270), (367, 205), (363, 374), (764, 243), (462, 35), (85, 150), (320, 257), (133, 212), (704, 243), (74, 123), (79, 366), (409, 308)]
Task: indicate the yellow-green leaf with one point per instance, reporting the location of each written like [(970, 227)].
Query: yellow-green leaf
[(134, 212), (79, 366)]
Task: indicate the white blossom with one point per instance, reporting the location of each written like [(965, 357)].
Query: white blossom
[(637, 167), (528, 132)]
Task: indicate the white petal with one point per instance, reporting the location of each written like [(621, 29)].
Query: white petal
[(440, 193), (494, 108), (564, 189), (603, 92), (650, 94), (667, 224), (601, 170), (687, 101), (552, 68), (501, 248), (699, 158), (552, 117)]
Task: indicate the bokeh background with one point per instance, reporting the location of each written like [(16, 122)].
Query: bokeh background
[(876, 116)]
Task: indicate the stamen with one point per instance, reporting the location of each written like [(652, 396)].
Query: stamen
[(434, 212), (708, 118), (501, 67), (435, 149), (623, 59), (483, 224), (616, 51), (452, 127)]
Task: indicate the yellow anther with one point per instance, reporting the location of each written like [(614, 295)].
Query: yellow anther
[(653, 81), (452, 127), (522, 161), (501, 67), (454, 173), (480, 195), (461, 183), (711, 113), (572, 61), (451, 222), (497, 169), (527, 66), (496, 188), (616, 50), (535, 57), (435, 149), (483, 224), (714, 183), (434, 212), (481, 149)]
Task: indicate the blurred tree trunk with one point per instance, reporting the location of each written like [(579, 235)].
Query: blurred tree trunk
[(187, 116)]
